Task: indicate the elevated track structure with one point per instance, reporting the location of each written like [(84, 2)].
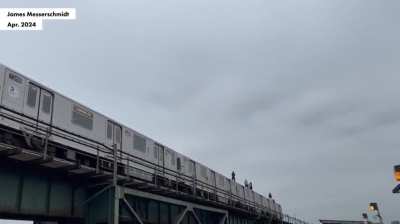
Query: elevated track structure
[(37, 184), (64, 162)]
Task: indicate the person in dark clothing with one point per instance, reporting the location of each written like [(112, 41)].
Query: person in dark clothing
[(251, 185), (233, 176)]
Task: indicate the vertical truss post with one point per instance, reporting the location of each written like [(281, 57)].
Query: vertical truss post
[(46, 143), (115, 170), (97, 160), (116, 192), (111, 205)]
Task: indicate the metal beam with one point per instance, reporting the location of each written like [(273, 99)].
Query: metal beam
[(156, 197), (28, 193), (114, 206), (181, 216), (132, 211), (195, 216), (91, 198)]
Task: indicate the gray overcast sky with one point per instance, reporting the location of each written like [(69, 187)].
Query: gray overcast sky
[(301, 97)]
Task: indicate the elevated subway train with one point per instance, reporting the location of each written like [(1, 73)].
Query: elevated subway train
[(30, 108)]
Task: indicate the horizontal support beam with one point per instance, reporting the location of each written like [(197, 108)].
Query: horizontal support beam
[(186, 204)]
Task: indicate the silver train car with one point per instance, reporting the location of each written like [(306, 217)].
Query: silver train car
[(49, 112)]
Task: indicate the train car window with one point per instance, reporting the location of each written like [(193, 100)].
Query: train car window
[(82, 117), (32, 94), (46, 106), (109, 130), (178, 164), (118, 134), (15, 78), (139, 143)]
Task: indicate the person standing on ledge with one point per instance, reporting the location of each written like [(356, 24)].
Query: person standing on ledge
[(233, 176)]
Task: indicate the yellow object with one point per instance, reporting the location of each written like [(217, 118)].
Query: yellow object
[(397, 175), (397, 172)]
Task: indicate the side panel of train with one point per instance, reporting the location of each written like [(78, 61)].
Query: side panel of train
[(16, 96), (237, 191), (170, 163), (276, 209), (12, 95), (2, 74), (240, 192), (258, 201), (223, 186), (37, 102), (148, 158), (40, 104), (185, 169), (279, 211), (203, 177), (139, 146), (188, 168), (265, 204), (79, 120), (249, 196)]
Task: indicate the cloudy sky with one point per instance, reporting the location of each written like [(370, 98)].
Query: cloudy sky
[(301, 97)]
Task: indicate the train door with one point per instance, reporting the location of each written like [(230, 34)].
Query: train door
[(46, 106), (192, 168), (168, 158), (114, 135), (39, 104), (213, 183), (178, 169), (212, 179), (228, 188), (161, 160), (13, 91), (192, 172), (179, 164)]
